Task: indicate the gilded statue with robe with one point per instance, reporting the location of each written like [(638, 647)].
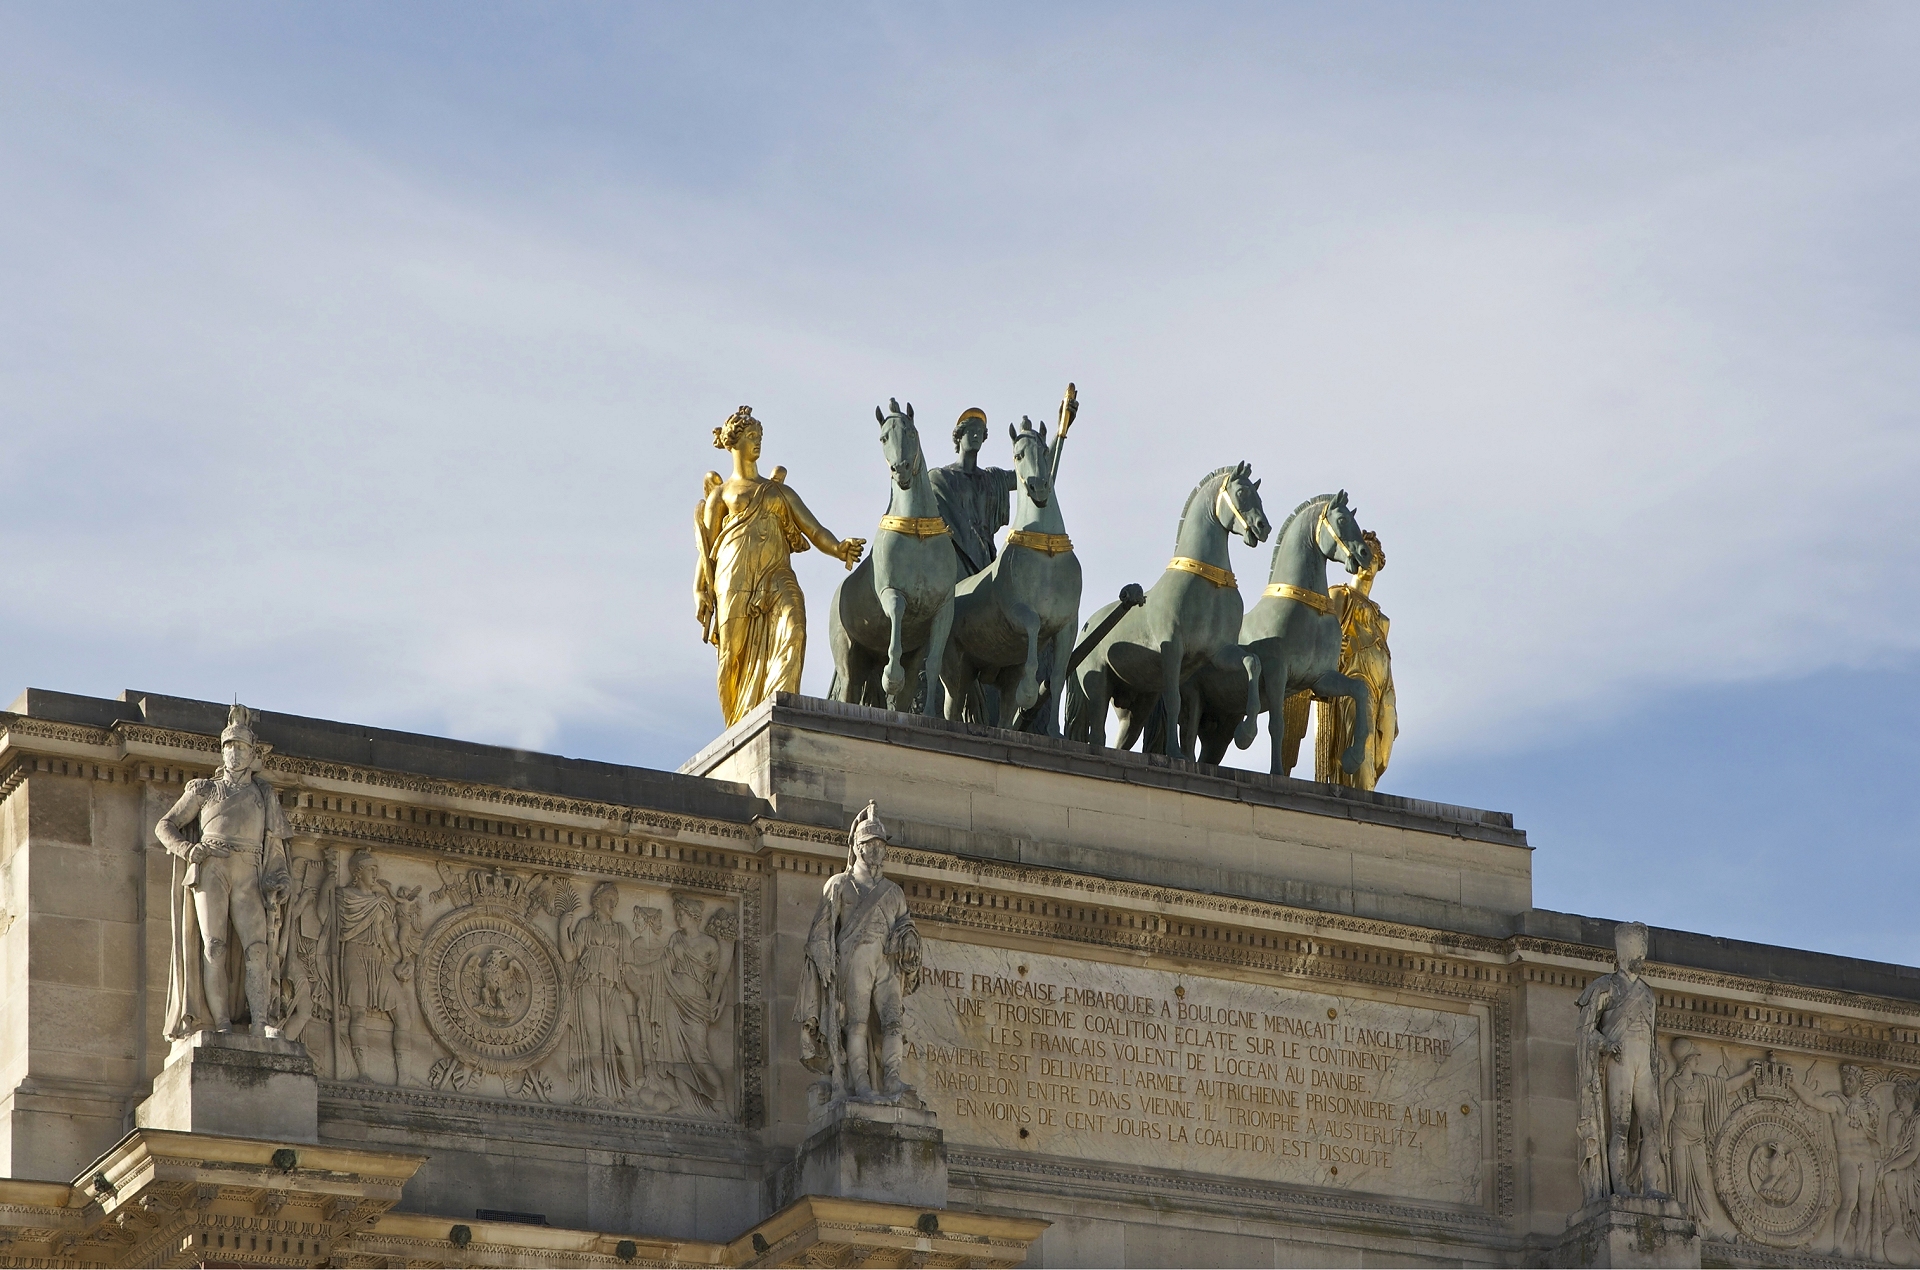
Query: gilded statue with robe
[(750, 606), (1364, 655)]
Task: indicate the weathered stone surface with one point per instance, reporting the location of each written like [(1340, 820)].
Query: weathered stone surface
[(633, 1077), (236, 1086), (1630, 1232), (891, 1155), (1045, 1055)]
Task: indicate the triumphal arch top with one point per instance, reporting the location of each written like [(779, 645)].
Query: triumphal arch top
[(866, 987), (938, 971)]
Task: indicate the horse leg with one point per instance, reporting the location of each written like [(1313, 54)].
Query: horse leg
[(846, 686), (1273, 703), (893, 602), (1250, 725), (1190, 699), (937, 638), (1062, 649), (1027, 691), (1277, 734), (957, 671), (1334, 684), (1171, 655), (1099, 699)]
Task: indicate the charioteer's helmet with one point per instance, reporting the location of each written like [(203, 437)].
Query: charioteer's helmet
[(971, 415)]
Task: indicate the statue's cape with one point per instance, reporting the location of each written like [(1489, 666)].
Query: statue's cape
[(187, 1011), (964, 497)]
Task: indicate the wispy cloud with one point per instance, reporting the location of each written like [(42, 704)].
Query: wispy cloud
[(367, 368)]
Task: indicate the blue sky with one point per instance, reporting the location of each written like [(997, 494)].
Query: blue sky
[(362, 361)]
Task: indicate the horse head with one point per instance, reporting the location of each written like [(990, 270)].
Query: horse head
[(1237, 507), (1337, 534), (1030, 460), (900, 442)]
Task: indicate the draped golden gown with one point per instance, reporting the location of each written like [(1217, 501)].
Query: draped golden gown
[(760, 617), (1363, 654)]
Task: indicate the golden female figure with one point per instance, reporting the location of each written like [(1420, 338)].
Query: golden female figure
[(750, 604), (1363, 654)]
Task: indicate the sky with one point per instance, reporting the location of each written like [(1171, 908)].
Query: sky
[(361, 361)]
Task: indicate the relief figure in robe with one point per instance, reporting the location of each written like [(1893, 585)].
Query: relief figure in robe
[(413, 1050), (1696, 1104), (1899, 1197), (640, 972), (690, 990), (228, 839), (369, 950), (306, 958), (600, 1050), (749, 602)]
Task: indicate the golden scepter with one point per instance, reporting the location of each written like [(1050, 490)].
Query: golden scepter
[(1069, 407)]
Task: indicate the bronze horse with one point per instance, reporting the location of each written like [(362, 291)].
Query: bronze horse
[(1189, 622), (890, 616)]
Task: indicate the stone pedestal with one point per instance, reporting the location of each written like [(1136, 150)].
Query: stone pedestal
[(890, 1155), (1630, 1231), (237, 1086)]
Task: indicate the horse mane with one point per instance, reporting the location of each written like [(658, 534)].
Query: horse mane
[(1187, 510), (1281, 533)]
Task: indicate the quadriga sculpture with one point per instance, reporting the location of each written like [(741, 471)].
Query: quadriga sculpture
[(890, 618), (1005, 616), (1295, 633), (1190, 621)]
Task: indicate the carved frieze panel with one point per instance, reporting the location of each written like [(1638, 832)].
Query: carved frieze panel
[(536, 985), (1792, 1153)]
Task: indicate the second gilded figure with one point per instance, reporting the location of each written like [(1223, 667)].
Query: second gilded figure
[(750, 605)]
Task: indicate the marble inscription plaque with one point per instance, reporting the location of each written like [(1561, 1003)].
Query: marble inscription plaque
[(1024, 1052)]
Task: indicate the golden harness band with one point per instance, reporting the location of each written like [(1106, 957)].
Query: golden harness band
[(1212, 573), (914, 526), (1052, 544), (1312, 599)]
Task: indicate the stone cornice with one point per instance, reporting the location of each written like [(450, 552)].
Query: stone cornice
[(1125, 767)]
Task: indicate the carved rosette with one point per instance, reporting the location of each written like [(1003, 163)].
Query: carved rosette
[(1774, 1172), (491, 989)]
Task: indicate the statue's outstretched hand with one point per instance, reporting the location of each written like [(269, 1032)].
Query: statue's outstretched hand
[(851, 549)]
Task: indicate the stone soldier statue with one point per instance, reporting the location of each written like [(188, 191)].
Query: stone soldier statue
[(863, 956), (228, 838), (1619, 1077), (973, 499)]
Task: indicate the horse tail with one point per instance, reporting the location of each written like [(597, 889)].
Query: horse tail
[(833, 689), (1076, 706)]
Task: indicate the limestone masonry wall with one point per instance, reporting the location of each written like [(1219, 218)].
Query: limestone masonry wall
[(1161, 1008)]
